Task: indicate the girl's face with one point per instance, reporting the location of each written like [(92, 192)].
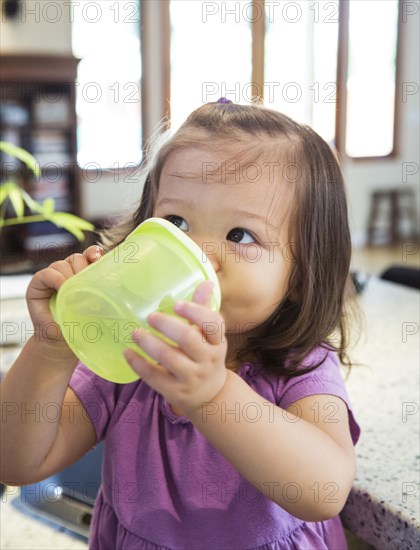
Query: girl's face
[(241, 225)]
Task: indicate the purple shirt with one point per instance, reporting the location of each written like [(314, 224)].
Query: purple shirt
[(165, 487)]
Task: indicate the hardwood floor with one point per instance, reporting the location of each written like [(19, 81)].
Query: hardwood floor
[(375, 259)]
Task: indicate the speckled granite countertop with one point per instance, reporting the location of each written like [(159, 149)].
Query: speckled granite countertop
[(383, 506)]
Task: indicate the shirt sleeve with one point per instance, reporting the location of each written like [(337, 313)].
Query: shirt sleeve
[(325, 379), (97, 395)]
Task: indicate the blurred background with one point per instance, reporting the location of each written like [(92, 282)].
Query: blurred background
[(85, 85)]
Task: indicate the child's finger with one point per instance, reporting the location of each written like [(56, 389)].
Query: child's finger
[(208, 321), (188, 337), (44, 283), (89, 256), (164, 354), (202, 294), (93, 253), (50, 279), (156, 376), (77, 262)]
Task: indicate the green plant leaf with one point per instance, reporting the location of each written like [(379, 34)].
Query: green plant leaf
[(48, 206), (73, 224), (11, 188), (18, 197), (4, 190), (15, 197), (15, 151), (33, 205)]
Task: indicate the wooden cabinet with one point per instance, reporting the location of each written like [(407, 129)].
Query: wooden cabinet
[(37, 112)]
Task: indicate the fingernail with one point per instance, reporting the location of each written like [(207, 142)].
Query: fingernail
[(179, 306), (98, 252)]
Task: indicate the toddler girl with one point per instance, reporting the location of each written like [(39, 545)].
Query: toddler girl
[(241, 436)]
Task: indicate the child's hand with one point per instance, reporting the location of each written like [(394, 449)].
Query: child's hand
[(194, 372), (47, 281)]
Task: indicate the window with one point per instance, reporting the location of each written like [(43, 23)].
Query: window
[(210, 54), (310, 60), (301, 62), (106, 39), (371, 78)]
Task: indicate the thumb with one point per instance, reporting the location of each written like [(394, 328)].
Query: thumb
[(202, 294)]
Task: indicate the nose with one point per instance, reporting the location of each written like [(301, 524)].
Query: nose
[(211, 253)]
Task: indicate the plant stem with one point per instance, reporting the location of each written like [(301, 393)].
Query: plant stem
[(17, 221)]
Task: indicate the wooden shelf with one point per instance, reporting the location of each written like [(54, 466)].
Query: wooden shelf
[(45, 124), (50, 69)]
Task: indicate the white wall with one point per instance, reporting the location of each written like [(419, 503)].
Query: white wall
[(40, 27), (363, 176)]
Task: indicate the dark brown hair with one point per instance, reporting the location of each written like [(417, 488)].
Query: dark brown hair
[(319, 297)]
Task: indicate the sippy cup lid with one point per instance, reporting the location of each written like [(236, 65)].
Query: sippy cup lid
[(201, 257)]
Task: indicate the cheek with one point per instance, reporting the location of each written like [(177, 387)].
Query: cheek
[(257, 288), (266, 276)]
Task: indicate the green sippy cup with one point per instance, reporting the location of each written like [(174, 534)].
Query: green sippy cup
[(99, 307)]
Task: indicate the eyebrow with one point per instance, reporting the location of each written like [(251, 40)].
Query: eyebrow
[(251, 215)]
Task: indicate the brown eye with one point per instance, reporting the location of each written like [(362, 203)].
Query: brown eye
[(239, 235), (178, 222)]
